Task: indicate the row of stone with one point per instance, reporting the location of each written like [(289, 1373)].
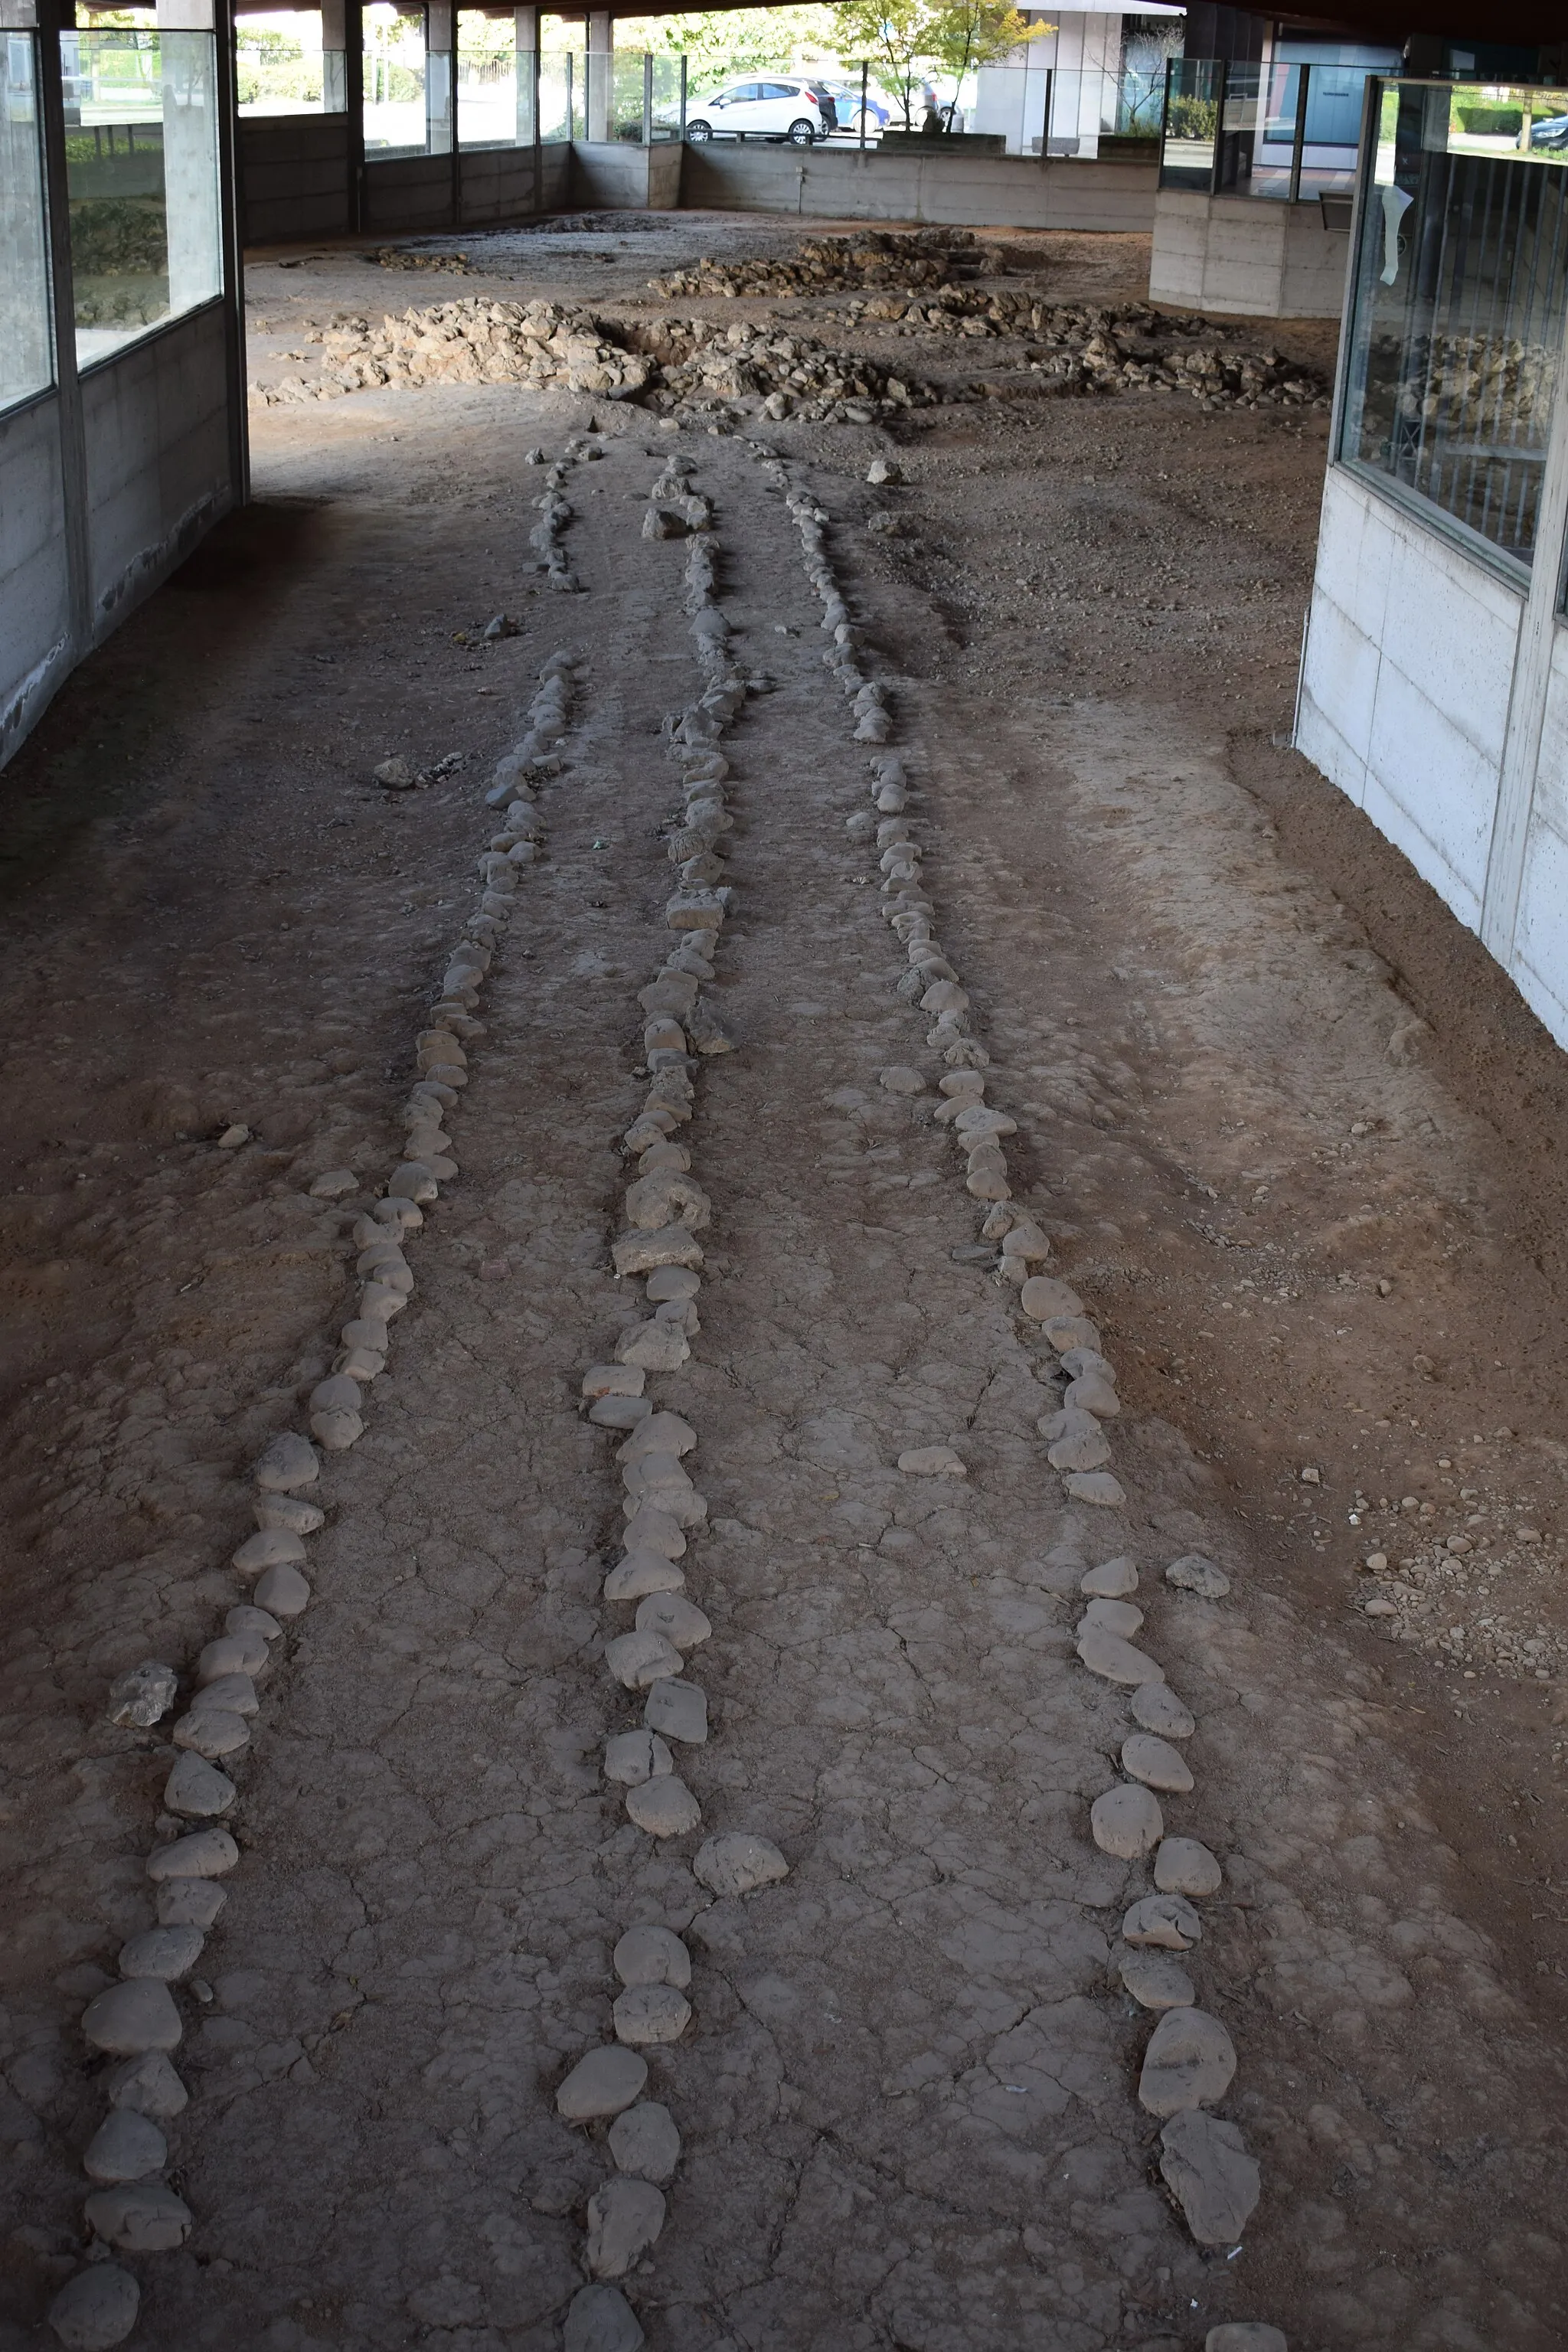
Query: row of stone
[(137, 2021), (665, 1210), (1189, 2061)]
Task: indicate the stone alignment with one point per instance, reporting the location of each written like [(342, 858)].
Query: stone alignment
[(1189, 2061), (664, 1209), (137, 2021)]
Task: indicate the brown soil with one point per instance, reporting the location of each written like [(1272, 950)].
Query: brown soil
[(1296, 1142)]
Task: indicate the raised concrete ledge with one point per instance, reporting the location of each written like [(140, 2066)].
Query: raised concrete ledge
[(947, 190), (1246, 256)]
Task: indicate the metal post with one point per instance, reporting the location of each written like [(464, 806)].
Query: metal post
[(648, 98), (1045, 117), (1217, 166), (354, 122), (571, 104), (683, 97), (52, 20), (1298, 145), (865, 77), (232, 246)]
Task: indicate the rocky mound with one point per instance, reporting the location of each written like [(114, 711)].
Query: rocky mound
[(907, 257)]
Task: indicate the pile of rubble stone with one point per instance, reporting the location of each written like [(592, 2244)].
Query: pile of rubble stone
[(663, 363), (907, 257)]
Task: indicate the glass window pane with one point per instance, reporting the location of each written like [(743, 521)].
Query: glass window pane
[(1460, 290), (492, 100), (1192, 124), (280, 67), (558, 93), (141, 180), (395, 120), (26, 345)]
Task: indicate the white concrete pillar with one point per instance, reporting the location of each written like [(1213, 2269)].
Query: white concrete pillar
[(601, 67)]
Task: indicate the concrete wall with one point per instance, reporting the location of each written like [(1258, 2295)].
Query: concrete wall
[(35, 648), (613, 174), (409, 193), (497, 183), (293, 177), (1246, 257), (846, 184), (1412, 683), (159, 470)]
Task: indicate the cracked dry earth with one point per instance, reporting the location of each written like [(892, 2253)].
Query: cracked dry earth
[(907, 2096)]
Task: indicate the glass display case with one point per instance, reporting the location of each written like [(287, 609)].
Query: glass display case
[(1457, 304)]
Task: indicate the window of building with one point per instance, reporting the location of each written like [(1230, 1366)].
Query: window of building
[(1461, 281), (141, 178), (26, 342), (281, 66), (495, 80), (407, 85)]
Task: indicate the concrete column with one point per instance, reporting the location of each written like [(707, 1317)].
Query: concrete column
[(190, 153), (441, 74), (526, 24), (601, 67)]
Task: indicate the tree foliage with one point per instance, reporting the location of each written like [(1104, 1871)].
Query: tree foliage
[(744, 40), (904, 39)]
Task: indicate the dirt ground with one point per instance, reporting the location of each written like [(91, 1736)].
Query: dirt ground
[(1294, 1140)]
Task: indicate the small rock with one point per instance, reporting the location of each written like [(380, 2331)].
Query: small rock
[(1111, 1581), (233, 1138), (130, 2018), (1190, 2062), (645, 2141), (1156, 1706), (1127, 1822), (96, 2309), (652, 1529), (190, 1903), (1205, 2165), (931, 1462), (1155, 1980), (1378, 1604), (125, 2147), (657, 1347), (670, 1281), (883, 470), (206, 1853), (1192, 1573), (1066, 1332), (662, 1433), (233, 1690), (291, 1511), (637, 1253), (633, 1757), (678, 1709), (899, 1080), (212, 1731), (1245, 2336), (663, 1807), (284, 1593), (1109, 1655), (600, 2318), (602, 2084), (334, 1183), (1116, 1616), (138, 1698), (1095, 1487), (288, 1463), (140, 2217), (613, 1379), (624, 2217), (682, 1623), (165, 1954), (649, 1954), (197, 1790), (636, 1660), (395, 775), (1043, 1297), (738, 1863), (641, 1572), (1156, 1763), (650, 2014), (272, 1546), (621, 1413), (1166, 1922), (1183, 1866), (244, 1620), (149, 2084), (1093, 1393)]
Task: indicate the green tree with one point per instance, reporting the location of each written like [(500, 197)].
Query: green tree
[(743, 41), (904, 38)]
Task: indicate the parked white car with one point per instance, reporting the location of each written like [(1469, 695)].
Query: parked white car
[(768, 108)]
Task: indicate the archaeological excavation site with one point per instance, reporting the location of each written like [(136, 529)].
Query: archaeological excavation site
[(784, 919)]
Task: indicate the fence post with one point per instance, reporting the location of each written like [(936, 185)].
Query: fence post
[(683, 97), (1045, 117), (648, 98), (864, 78), (1299, 142)]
